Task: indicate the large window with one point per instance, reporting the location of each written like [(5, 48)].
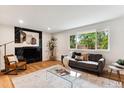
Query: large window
[(86, 41), (91, 40), (73, 41), (102, 40)]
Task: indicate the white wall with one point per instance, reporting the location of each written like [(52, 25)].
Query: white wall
[(45, 52), (116, 27), (7, 35)]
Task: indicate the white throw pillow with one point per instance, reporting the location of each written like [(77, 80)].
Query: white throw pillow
[(102, 59)]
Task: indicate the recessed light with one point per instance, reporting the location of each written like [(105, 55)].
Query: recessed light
[(21, 21), (49, 28)]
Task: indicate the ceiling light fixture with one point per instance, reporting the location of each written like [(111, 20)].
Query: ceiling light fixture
[(21, 21), (49, 28)]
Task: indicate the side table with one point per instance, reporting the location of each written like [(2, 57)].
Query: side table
[(115, 69)]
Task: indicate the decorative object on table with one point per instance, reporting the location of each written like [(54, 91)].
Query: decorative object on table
[(51, 45), (120, 62), (117, 65), (62, 72)]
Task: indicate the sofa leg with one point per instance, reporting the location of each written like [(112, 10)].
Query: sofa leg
[(98, 74)]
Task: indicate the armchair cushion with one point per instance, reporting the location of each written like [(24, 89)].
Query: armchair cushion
[(21, 64), (13, 59)]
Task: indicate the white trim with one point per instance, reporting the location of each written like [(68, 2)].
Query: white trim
[(87, 31)]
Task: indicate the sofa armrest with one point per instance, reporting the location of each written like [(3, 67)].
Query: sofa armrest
[(101, 65)]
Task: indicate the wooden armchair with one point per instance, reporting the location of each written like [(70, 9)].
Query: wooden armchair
[(12, 64)]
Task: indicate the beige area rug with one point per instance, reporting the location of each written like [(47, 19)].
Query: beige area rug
[(38, 80)]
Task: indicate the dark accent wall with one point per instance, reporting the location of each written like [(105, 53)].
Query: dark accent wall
[(28, 55)]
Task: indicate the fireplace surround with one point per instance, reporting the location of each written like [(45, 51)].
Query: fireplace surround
[(29, 52)]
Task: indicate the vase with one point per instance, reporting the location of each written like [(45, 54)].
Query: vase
[(52, 58)]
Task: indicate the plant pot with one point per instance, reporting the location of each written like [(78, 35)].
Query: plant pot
[(52, 58)]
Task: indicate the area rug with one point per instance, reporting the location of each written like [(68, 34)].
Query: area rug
[(38, 80)]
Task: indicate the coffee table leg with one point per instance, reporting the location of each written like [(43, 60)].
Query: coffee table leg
[(46, 75), (119, 76)]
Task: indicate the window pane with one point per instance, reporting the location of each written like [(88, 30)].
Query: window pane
[(86, 41), (73, 41), (102, 40)]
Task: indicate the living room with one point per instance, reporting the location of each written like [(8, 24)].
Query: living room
[(61, 46)]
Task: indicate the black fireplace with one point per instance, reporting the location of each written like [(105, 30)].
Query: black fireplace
[(30, 54)]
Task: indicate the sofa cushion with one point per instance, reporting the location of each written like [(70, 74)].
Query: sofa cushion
[(78, 59), (98, 57), (89, 64), (94, 57)]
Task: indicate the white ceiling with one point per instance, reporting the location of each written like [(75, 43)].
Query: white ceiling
[(58, 18)]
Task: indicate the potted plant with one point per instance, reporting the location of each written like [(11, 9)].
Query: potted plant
[(120, 62), (51, 46)]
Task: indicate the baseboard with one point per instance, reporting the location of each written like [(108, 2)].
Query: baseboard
[(3, 70), (50, 60), (45, 60)]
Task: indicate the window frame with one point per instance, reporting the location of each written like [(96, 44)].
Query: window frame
[(91, 31)]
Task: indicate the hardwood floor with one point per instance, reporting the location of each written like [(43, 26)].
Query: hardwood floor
[(5, 80)]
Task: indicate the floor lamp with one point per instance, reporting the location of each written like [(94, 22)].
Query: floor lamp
[(5, 48)]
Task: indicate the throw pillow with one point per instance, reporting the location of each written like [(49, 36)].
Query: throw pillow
[(78, 58), (85, 57), (12, 59)]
